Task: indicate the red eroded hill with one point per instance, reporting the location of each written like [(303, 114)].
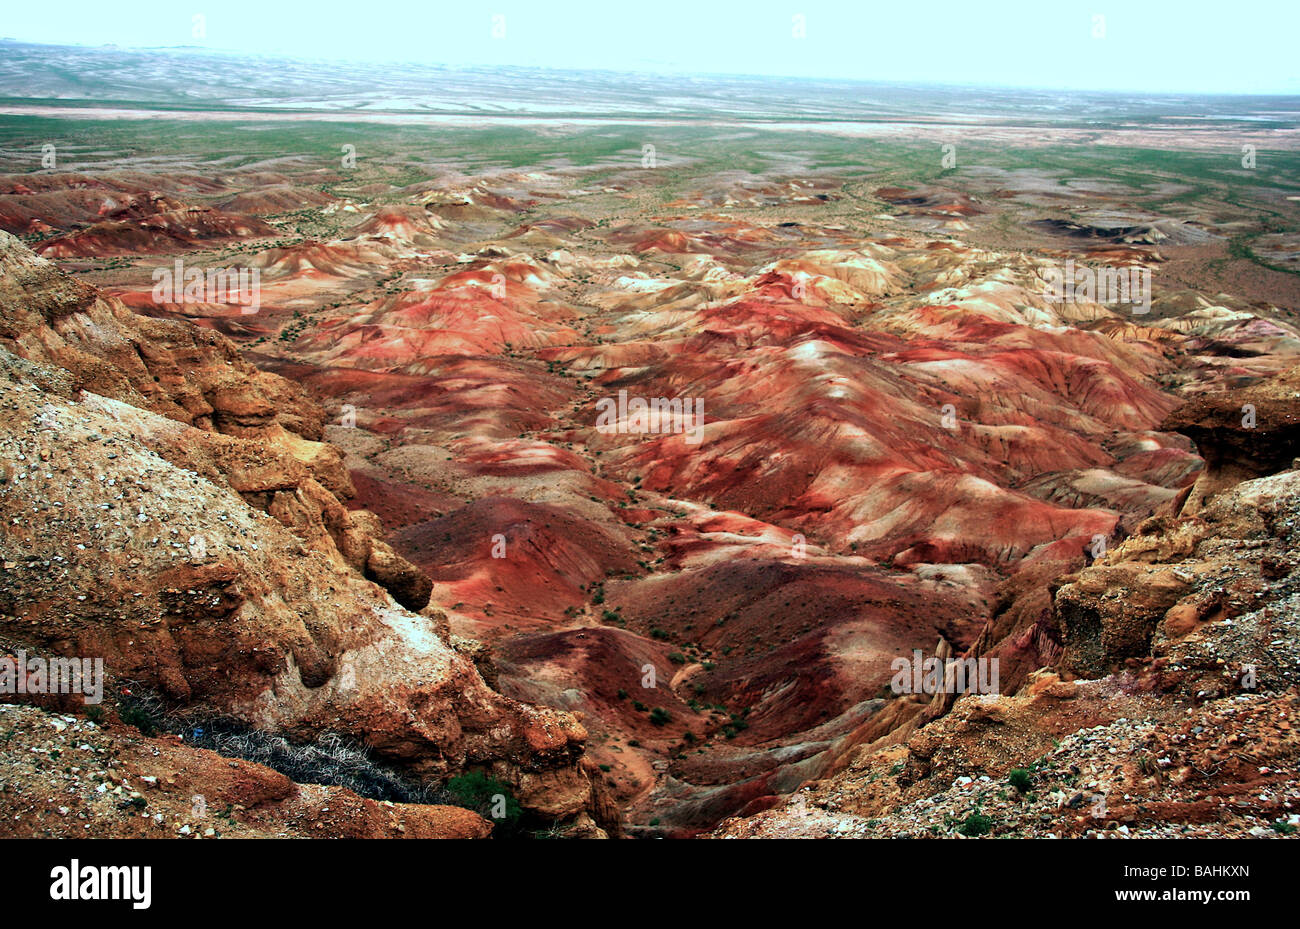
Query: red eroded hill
[(502, 556), (479, 311), (156, 233)]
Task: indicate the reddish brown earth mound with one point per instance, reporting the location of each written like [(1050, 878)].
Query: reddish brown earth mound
[(156, 233)]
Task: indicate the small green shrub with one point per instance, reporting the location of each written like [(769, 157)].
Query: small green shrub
[(488, 797), (976, 824), (140, 707)]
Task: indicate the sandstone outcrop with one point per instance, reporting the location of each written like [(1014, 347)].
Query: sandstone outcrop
[(1241, 434)]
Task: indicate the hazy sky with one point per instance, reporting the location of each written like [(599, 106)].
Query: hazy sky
[(1210, 46)]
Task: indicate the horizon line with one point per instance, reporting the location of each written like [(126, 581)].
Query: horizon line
[(667, 70)]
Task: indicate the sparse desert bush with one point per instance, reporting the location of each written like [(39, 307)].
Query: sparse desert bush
[(139, 706), (330, 759), (976, 824)]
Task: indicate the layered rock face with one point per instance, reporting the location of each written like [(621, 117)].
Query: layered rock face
[(1241, 434), (1212, 554), (170, 510)]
